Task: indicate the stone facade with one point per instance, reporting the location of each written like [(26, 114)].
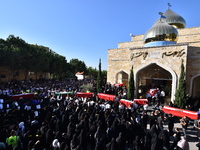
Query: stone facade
[(165, 59)]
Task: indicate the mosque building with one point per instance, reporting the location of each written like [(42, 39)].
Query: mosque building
[(156, 57)]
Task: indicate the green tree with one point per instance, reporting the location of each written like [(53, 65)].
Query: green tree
[(41, 59), (2, 52), (18, 55), (77, 66), (104, 75), (60, 62), (180, 96), (69, 72), (131, 86), (92, 72), (13, 53), (26, 57), (2, 56), (87, 87), (99, 79), (13, 61), (52, 63)]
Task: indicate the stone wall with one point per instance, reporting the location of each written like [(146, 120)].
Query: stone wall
[(189, 35), (120, 59), (136, 41), (7, 75), (193, 65)]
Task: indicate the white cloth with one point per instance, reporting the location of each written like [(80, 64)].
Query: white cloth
[(148, 95), (135, 105), (21, 128), (145, 106), (102, 106), (21, 124), (183, 143), (108, 106), (56, 143), (162, 93), (121, 107)]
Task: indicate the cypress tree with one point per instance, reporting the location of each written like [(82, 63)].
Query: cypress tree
[(99, 78), (180, 96), (131, 86)]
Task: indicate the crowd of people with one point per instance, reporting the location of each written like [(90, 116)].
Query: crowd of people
[(71, 123)]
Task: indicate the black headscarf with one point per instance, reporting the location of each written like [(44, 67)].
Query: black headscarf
[(70, 130), (121, 141), (83, 139), (74, 142), (154, 140), (113, 145), (49, 136)]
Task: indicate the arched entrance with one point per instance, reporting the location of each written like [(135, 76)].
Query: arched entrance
[(122, 77), (195, 86), (156, 75)]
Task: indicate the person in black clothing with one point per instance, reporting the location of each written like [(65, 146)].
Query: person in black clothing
[(152, 119), (83, 139), (170, 119), (164, 136), (160, 122), (154, 140), (137, 144), (49, 137), (184, 122), (121, 141), (198, 145), (113, 145), (177, 137), (144, 120)]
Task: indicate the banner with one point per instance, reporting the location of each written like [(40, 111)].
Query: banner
[(180, 112)]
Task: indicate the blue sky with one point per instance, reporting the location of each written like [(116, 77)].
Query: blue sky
[(86, 29)]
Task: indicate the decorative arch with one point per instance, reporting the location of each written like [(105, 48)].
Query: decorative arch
[(174, 77), (121, 71), (161, 72), (122, 77), (192, 84)]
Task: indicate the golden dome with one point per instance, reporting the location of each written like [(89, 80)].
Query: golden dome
[(161, 31), (174, 19)]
